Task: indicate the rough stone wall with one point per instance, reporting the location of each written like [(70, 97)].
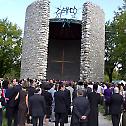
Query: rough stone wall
[(92, 43), (35, 41)]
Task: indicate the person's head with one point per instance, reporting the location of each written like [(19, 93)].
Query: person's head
[(95, 87), (14, 82), (31, 82), (28, 79), (108, 86), (51, 81), (52, 85), (25, 85), (47, 86), (125, 88), (116, 90), (5, 84), (80, 93), (70, 84), (38, 91), (97, 83), (85, 85), (61, 86), (80, 82)]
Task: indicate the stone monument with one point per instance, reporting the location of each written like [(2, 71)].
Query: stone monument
[(63, 49)]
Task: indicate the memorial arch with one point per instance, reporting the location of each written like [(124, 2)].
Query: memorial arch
[(63, 49)]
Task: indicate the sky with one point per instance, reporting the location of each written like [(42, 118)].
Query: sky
[(15, 10)]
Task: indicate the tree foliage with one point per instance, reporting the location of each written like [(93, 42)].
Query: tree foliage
[(115, 44), (110, 54), (10, 47), (120, 19)]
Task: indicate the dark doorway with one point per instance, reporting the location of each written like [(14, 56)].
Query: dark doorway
[(64, 50)]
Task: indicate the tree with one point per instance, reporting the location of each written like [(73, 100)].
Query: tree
[(121, 40), (115, 44), (110, 53), (116, 75), (10, 47)]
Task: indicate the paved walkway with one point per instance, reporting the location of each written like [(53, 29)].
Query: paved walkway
[(102, 122)]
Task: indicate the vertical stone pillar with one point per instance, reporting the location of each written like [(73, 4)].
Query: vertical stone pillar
[(92, 43), (35, 41)]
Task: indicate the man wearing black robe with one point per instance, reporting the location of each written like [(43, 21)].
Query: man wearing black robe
[(94, 100), (68, 103)]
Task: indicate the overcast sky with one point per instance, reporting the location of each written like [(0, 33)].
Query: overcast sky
[(15, 10)]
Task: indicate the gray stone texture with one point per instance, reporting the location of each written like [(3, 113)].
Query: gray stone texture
[(35, 41), (92, 43)]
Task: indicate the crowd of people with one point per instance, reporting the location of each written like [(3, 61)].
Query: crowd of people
[(40, 101)]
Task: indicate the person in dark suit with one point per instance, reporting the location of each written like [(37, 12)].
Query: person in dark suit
[(12, 94), (87, 89), (38, 107), (68, 101), (94, 100), (17, 85), (12, 107), (81, 109), (116, 102), (48, 99), (31, 91), (60, 105)]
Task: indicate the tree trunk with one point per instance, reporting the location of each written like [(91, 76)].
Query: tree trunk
[(110, 77)]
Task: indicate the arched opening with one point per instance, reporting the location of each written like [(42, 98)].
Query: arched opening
[(64, 49)]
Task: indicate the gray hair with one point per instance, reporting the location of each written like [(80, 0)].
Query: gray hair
[(116, 90), (80, 92)]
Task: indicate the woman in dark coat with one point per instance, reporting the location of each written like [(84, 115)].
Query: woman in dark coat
[(23, 105), (94, 100)]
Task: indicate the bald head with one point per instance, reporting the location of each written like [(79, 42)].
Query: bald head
[(116, 90)]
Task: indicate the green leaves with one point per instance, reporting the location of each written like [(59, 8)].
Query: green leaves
[(10, 47), (115, 44)]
